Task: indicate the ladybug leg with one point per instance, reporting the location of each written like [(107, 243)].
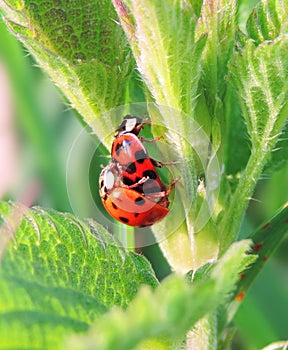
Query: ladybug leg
[(156, 163), (142, 139), (112, 165), (160, 164), (157, 194), (163, 193), (140, 182), (171, 186), (140, 126), (164, 199), (162, 196)]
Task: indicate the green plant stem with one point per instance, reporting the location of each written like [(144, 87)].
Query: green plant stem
[(238, 205), (125, 234)]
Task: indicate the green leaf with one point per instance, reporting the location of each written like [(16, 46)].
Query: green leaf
[(196, 5), (279, 156), (58, 274), (263, 306), (218, 20), (83, 50), (251, 321), (244, 10), (259, 72), (279, 345), (260, 75), (266, 239), (268, 20), (169, 311), (169, 66), (237, 144)]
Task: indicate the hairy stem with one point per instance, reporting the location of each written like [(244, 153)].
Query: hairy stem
[(238, 205)]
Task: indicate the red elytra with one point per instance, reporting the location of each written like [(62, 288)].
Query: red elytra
[(127, 205), (130, 155)]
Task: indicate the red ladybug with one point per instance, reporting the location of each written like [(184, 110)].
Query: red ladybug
[(130, 155), (130, 187), (127, 205)]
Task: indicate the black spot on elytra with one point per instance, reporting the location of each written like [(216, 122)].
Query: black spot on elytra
[(114, 206), (155, 163), (102, 183), (140, 201), (138, 189), (118, 148), (105, 197), (121, 218), (136, 215), (140, 156), (131, 168), (150, 173), (127, 181)]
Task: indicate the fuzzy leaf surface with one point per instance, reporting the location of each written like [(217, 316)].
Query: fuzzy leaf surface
[(169, 311), (169, 66), (83, 50), (262, 82), (58, 274), (218, 19), (260, 76), (279, 156), (268, 20)]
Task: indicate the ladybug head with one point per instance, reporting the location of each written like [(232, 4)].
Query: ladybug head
[(130, 124)]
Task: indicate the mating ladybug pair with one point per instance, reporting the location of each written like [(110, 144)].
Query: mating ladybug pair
[(130, 187)]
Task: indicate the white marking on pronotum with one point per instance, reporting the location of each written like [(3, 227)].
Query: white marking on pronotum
[(130, 124)]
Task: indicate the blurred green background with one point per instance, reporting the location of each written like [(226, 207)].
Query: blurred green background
[(37, 131)]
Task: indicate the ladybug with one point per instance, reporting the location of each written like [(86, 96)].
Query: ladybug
[(130, 156), (126, 204), (130, 187)]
